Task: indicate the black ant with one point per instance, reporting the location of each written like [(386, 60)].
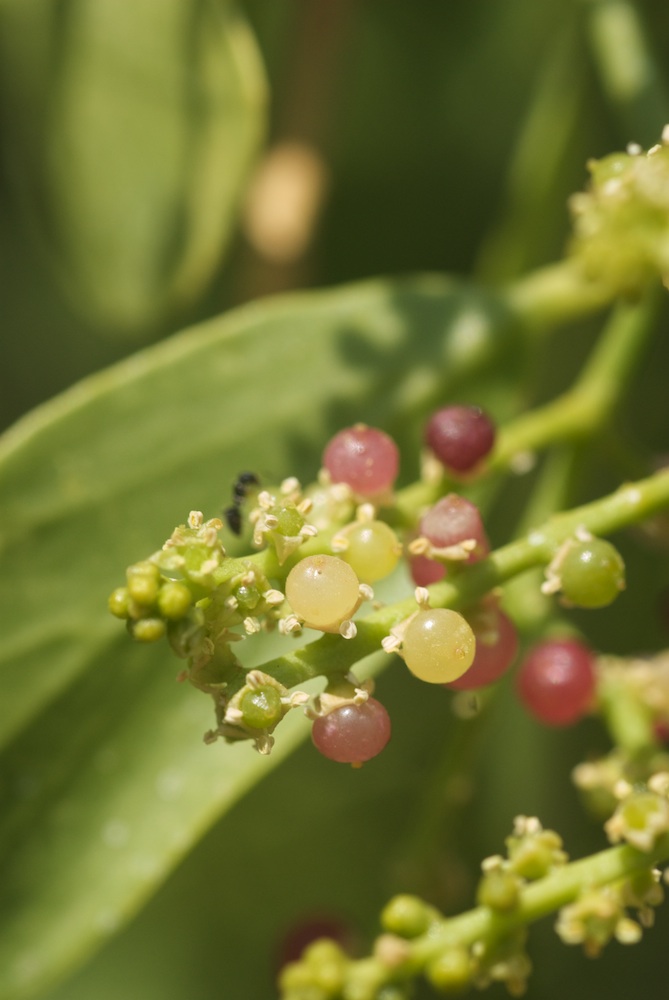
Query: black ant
[(240, 491)]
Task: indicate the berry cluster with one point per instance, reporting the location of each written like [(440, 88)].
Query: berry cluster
[(319, 550)]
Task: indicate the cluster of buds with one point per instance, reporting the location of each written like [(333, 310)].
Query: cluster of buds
[(621, 224), (601, 915), (642, 815), (280, 519)]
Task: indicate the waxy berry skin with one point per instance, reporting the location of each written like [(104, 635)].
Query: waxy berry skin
[(438, 645), (460, 436), (364, 458), (492, 659), (592, 574), (557, 681), (352, 734)]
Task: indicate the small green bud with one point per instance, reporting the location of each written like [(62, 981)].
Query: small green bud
[(499, 889), (147, 629), (621, 223), (296, 982), (289, 520), (451, 972), (119, 602), (364, 980), (408, 916), (143, 583), (534, 854), (174, 600), (248, 597), (639, 819), (261, 707), (327, 963)]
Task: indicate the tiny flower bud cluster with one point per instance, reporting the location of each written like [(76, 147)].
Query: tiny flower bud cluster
[(280, 520), (642, 817), (621, 222)]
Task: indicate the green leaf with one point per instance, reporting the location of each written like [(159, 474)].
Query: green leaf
[(129, 133), (105, 783)]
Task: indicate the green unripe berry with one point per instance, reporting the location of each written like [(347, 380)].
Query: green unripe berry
[(289, 521), (119, 602), (174, 600), (364, 980), (407, 916), (373, 550), (247, 597), (261, 707), (532, 857), (592, 573), (147, 629), (296, 980), (327, 964), (499, 889), (143, 583), (451, 972)]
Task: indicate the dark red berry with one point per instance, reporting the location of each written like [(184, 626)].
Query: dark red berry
[(460, 436), (425, 571)]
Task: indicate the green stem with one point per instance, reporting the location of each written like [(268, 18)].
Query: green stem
[(555, 294), (537, 900), (627, 719), (576, 415), (331, 654), (523, 599), (588, 405)]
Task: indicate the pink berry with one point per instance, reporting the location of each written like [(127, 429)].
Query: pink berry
[(352, 734), (496, 649), (425, 571), (557, 681), (460, 436), (453, 520), (363, 457)]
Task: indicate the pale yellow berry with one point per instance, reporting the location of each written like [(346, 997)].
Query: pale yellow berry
[(372, 550), (438, 646), (323, 591)]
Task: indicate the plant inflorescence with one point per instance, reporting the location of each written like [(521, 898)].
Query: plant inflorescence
[(317, 551)]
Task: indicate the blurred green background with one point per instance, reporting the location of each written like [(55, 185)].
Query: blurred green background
[(436, 136)]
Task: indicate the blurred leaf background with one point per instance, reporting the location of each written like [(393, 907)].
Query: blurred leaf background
[(144, 149)]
